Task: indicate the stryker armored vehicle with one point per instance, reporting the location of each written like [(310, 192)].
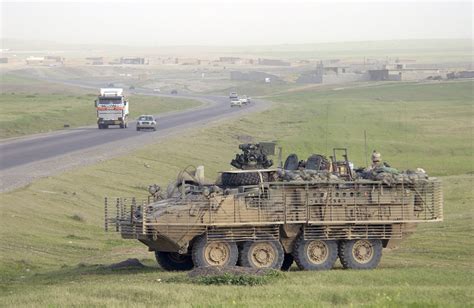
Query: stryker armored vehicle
[(310, 211)]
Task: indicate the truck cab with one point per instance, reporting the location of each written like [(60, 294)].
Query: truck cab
[(112, 108)]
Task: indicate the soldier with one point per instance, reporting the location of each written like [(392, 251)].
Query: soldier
[(376, 160)]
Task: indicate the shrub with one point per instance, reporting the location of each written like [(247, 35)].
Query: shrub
[(237, 279)]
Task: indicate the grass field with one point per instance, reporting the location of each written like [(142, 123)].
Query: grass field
[(43, 111), (52, 235)]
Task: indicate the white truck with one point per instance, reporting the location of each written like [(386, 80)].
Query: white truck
[(112, 108)]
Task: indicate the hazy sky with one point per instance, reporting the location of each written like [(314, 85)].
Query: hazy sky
[(233, 22)]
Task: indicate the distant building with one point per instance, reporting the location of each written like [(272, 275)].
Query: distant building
[(462, 74), (378, 75), (231, 60), (335, 69), (95, 60), (35, 60), (273, 62), (384, 75), (54, 59), (3, 60), (136, 61), (331, 75)]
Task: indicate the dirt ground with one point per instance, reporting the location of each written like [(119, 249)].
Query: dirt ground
[(220, 270)]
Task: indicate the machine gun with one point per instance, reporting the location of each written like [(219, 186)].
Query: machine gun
[(254, 156)]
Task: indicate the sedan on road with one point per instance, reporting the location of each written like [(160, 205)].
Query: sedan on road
[(235, 102), (146, 122)]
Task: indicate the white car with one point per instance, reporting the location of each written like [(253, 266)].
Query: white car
[(146, 122), (235, 102), (245, 100)]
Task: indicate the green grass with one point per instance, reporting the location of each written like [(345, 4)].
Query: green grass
[(52, 233), (24, 114)]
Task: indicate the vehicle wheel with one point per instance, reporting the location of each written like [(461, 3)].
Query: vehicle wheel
[(122, 125), (173, 261), (360, 254), (210, 253), (126, 124), (245, 178), (317, 162), (154, 129), (105, 126), (314, 255), (138, 129), (262, 255), (100, 126), (287, 262)]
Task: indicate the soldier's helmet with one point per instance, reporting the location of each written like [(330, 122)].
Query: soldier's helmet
[(376, 157)]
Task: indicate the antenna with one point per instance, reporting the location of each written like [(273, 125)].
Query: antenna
[(365, 141), (327, 126), (280, 162)]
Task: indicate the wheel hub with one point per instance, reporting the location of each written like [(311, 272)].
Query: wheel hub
[(263, 255), (363, 251), (217, 253), (176, 257), (317, 252)]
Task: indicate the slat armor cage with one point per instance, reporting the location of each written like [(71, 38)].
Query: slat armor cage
[(326, 210)]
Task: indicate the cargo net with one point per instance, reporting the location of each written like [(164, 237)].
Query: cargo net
[(371, 205)]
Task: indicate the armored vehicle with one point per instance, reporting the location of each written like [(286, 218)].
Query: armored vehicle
[(310, 211)]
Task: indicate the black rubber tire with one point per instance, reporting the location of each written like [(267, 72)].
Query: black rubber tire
[(317, 162), (291, 162), (198, 253), (245, 259), (348, 260), (304, 262), (138, 129), (172, 261), (99, 126), (244, 178), (287, 262)]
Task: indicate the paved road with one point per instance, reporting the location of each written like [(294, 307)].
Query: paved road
[(26, 158)]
